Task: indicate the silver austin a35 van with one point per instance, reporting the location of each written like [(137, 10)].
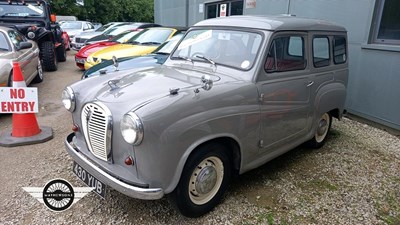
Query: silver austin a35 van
[(235, 93)]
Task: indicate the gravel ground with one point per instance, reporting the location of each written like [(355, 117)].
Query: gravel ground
[(353, 179)]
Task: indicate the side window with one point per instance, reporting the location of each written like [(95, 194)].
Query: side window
[(3, 43), (16, 38), (321, 51), (91, 26), (286, 54), (339, 50)]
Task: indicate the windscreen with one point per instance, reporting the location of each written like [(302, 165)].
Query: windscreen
[(20, 10), (225, 47)]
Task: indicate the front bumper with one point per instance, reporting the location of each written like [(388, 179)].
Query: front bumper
[(118, 185)]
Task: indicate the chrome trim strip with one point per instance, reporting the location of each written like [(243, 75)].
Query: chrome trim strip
[(124, 188)]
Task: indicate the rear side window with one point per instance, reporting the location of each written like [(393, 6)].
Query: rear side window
[(285, 54), (339, 50), (321, 56), (3, 43)]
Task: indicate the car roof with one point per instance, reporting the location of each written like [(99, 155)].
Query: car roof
[(273, 23)]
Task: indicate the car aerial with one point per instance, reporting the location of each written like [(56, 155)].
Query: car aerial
[(79, 40), (84, 52), (105, 36), (141, 44), (76, 27), (34, 20), (156, 58), (15, 47), (235, 93)]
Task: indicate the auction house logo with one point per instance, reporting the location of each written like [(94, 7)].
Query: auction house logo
[(58, 194)]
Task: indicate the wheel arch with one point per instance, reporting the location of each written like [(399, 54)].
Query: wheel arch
[(228, 140)]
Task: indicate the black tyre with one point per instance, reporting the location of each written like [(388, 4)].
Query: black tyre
[(39, 75), (323, 126), (61, 53), (10, 79), (48, 56), (204, 179)]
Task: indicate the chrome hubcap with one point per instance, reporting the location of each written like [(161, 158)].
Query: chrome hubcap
[(40, 69), (206, 180), (322, 129)]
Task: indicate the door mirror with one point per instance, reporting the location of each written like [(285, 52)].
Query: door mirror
[(24, 45)]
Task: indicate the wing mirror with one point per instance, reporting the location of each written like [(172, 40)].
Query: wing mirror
[(24, 45), (206, 82)]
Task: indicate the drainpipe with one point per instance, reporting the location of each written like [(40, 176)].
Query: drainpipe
[(187, 13), (288, 8)]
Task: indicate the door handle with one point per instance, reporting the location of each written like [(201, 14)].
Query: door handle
[(310, 83)]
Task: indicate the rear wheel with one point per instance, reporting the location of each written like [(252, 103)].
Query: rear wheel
[(48, 56), (61, 53), (204, 180), (323, 126), (39, 76)]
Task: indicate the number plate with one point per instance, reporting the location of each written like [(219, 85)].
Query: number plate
[(91, 181)]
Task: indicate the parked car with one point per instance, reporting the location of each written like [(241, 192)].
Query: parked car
[(235, 93), (81, 56), (66, 39), (156, 58), (76, 27), (80, 39), (141, 44), (33, 19), (15, 47), (105, 36)]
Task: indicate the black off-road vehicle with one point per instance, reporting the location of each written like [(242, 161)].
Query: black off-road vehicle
[(35, 21)]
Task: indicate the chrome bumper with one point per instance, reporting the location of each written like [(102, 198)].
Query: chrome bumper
[(124, 188)]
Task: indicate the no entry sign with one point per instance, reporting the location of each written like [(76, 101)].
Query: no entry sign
[(18, 100)]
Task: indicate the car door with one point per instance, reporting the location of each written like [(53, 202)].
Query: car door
[(284, 87), (25, 57)]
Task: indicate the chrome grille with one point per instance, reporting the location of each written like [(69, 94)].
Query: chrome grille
[(97, 128)]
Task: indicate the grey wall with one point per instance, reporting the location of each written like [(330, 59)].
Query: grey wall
[(374, 80)]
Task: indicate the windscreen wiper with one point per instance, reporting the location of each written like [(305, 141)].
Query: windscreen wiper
[(206, 58), (150, 43), (185, 58)]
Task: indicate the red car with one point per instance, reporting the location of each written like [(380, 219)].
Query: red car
[(67, 44), (85, 51)]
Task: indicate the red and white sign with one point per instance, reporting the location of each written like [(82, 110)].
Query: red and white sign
[(251, 4), (222, 10), (19, 100)]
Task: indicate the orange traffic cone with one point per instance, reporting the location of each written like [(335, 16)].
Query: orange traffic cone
[(25, 128), (24, 125)]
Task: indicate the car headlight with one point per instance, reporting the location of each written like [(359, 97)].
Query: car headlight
[(132, 128), (68, 99)]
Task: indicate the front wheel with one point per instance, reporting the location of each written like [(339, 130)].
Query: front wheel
[(48, 56), (204, 180), (323, 126)]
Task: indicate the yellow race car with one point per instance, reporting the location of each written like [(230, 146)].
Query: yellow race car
[(143, 43)]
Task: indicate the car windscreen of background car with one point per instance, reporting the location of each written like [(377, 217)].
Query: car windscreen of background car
[(236, 49), (21, 10), (71, 25), (124, 36), (170, 45), (151, 36)]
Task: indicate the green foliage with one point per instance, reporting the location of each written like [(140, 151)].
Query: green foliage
[(105, 11)]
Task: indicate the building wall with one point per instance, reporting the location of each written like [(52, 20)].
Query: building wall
[(374, 79)]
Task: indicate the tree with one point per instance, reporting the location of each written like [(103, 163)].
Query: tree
[(105, 11)]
